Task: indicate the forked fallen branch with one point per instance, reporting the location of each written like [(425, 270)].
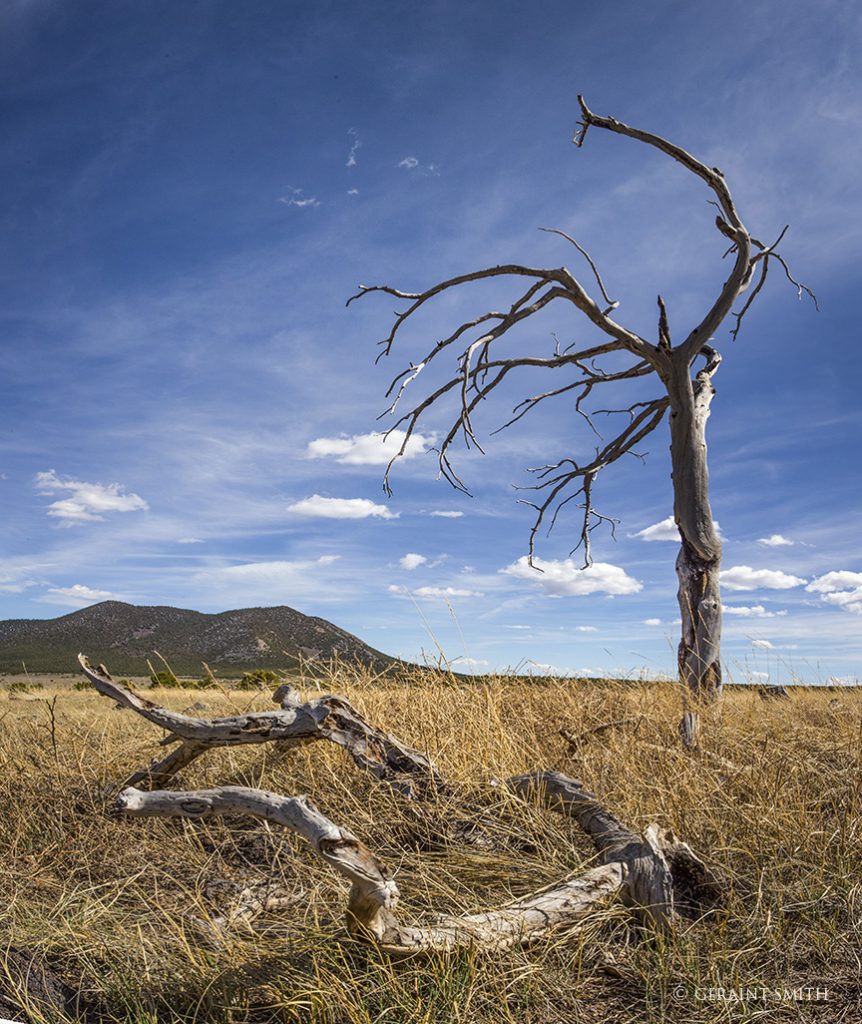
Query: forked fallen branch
[(296, 722), (657, 876)]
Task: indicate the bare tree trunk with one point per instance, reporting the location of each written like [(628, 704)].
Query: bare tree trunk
[(699, 559)]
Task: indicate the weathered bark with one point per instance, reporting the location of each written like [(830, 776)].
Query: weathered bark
[(325, 718), (662, 877), (644, 872), (699, 559)]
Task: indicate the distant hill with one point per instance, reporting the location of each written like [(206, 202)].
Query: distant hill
[(124, 636)]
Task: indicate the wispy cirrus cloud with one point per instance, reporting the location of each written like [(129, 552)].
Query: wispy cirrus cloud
[(340, 508), (375, 449), (444, 592), (87, 502), (355, 145), (296, 197), (412, 163), (446, 514)]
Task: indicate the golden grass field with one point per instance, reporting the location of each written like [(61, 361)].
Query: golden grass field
[(111, 903)]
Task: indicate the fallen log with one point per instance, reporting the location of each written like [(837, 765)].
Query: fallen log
[(656, 875), (296, 722)]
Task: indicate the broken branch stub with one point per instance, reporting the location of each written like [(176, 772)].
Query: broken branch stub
[(328, 717)]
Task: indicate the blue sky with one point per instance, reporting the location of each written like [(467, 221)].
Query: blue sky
[(192, 191)]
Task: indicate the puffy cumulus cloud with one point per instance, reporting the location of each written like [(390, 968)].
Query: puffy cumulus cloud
[(374, 449), (340, 508), (412, 560), (567, 579), (652, 622), (755, 611), (665, 530), (775, 540), (446, 514), (444, 592), (86, 502), (842, 589), (743, 577), (765, 645), (76, 596)]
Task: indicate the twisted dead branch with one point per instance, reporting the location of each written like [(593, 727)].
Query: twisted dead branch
[(657, 876), (297, 722)]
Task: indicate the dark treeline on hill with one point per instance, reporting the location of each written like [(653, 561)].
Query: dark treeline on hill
[(124, 636)]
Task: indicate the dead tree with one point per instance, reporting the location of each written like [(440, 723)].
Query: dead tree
[(683, 374)]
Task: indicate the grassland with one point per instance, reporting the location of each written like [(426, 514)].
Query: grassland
[(110, 904)]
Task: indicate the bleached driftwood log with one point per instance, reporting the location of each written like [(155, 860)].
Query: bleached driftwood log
[(645, 873), (296, 722)]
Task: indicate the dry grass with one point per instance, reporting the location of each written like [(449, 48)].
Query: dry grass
[(111, 903)]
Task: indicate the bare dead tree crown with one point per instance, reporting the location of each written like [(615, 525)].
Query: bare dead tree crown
[(480, 370)]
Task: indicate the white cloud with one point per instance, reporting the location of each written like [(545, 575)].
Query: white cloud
[(270, 582), (764, 644), (775, 540), (87, 503), (412, 560), (843, 681), (743, 577), (340, 508), (665, 530), (446, 514), (586, 629), (835, 581), (567, 579), (353, 191), (842, 588), (76, 596), (469, 662), (652, 622), (296, 198), (411, 163), (354, 147), (445, 592), (189, 540), (757, 677), (13, 583), (755, 611), (367, 449)]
